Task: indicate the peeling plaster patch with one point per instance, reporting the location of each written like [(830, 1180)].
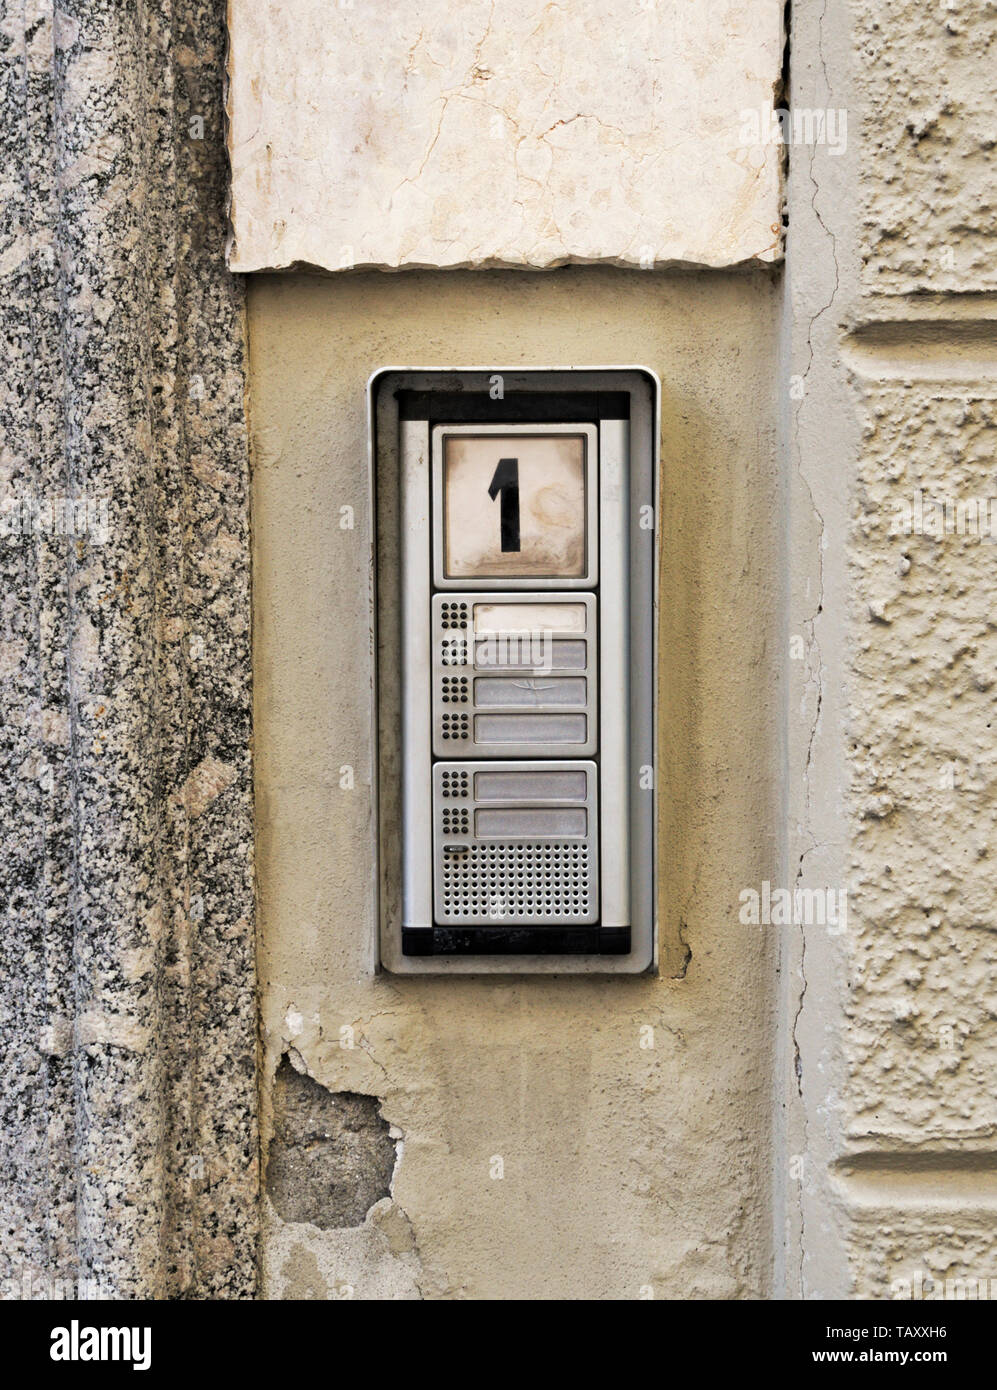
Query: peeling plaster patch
[(683, 966), (395, 1226), (302, 1276), (378, 1261), (332, 1156)]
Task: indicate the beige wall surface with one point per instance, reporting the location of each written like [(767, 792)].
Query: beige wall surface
[(628, 1171)]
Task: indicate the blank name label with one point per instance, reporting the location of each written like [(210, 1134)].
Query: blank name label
[(492, 691), (530, 728), (549, 785), (529, 617), (532, 824)]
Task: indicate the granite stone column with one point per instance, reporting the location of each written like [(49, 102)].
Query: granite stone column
[(127, 1003)]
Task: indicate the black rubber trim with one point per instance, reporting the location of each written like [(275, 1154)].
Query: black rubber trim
[(518, 407), (515, 941)]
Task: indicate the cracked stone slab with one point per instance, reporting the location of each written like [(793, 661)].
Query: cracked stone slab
[(529, 135)]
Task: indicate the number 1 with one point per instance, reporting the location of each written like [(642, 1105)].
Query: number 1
[(506, 482)]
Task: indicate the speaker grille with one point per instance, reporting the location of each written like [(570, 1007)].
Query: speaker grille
[(517, 880)]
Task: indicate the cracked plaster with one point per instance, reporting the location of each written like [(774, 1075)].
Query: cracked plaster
[(522, 135)]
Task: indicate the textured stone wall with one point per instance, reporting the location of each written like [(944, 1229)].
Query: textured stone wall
[(127, 1039), (892, 716)]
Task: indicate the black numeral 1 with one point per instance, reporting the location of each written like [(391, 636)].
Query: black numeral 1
[(506, 482)]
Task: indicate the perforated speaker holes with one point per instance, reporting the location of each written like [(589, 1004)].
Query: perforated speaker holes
[(516, 881), (453, 651)]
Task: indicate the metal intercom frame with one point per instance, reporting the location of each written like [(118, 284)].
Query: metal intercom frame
[(617, 410)]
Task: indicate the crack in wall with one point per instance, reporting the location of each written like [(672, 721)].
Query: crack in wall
[(815, 670), (683, 969)]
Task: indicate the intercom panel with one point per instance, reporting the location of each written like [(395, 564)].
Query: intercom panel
[(515, 675), (516, 559), (515, 843)]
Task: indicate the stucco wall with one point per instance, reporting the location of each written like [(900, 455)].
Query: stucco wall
[(891, 715), (628, 1171)]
